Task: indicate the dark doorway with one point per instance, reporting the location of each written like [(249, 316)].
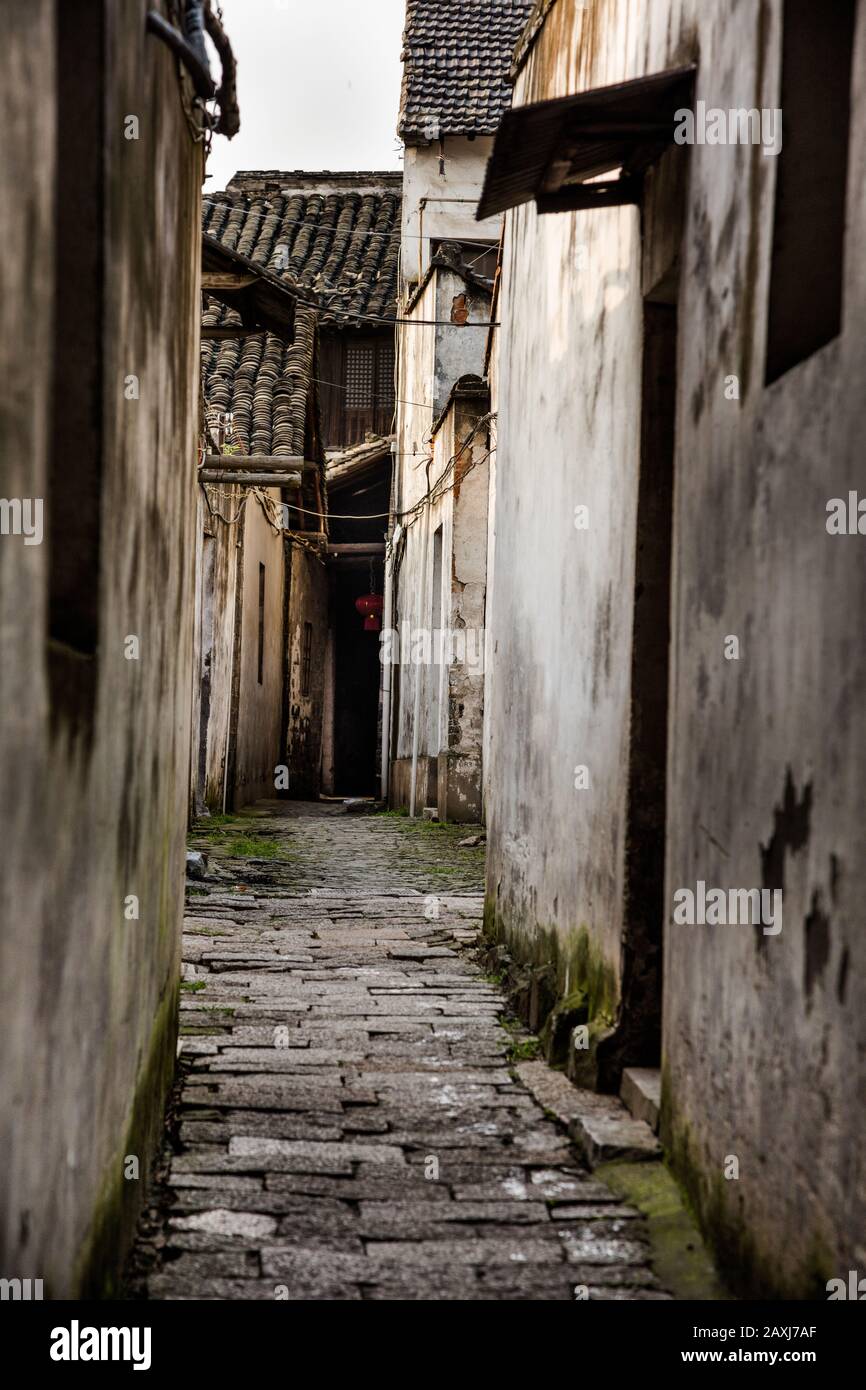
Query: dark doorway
[(637, 1038), (359, 503), (357, 680)]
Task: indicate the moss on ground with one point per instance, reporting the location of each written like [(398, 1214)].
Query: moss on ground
[(754, 1269), (681, 1260)]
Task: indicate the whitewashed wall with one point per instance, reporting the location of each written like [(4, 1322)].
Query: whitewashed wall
[(761, 1046)]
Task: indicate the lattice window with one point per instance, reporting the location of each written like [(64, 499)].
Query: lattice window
[(385, 377), (360, 374)]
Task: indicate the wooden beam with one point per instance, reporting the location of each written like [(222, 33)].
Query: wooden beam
[(260, 463), (226, 280), (357, 548), (220, 333), (220, 475), (573, 197)]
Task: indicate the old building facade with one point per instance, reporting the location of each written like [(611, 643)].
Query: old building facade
[(677, 625), (288, 699), (437, 572), (101, 202)]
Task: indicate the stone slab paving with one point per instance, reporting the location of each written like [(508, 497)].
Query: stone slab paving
[(347, 1122)]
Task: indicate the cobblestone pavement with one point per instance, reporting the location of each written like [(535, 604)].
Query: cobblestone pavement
[(347, 1124)]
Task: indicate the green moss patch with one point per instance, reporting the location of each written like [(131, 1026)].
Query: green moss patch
[(754, 1269), (555, 980), (680, 1258)]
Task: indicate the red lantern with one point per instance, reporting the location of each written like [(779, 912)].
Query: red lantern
[(370, 608)]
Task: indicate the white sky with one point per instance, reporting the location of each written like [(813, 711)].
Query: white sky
[(318, 86)]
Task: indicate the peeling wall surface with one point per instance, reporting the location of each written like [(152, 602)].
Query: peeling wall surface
[(98, 803), (766, 753), (459, 351)]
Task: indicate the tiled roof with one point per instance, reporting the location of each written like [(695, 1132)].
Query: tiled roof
[(456, 56), (262, 381), (337, 244), (342, 245)]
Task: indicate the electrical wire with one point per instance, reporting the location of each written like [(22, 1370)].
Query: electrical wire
[(433, 494), (357, 317), (424, 405)]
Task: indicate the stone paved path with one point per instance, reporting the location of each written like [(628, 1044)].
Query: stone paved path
[(348, 1125)]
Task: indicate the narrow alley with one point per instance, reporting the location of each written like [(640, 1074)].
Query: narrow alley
[(433, 687), (347, 1121)]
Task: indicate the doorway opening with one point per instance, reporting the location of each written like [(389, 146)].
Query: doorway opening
[(357, 681), (359, 502), (636, 1041)]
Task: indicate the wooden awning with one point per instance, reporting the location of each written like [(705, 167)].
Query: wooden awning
[(262, 299), (555, 151)]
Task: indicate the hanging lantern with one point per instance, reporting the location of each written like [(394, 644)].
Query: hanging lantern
[(370, 608)]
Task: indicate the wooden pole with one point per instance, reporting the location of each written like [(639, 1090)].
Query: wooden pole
[(249, 479), (260, 463)]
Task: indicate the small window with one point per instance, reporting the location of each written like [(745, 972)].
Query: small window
[(385, 376), (805, 301), (306, 659), (360, 375), (261, 662), (368, 387), (477, 257)]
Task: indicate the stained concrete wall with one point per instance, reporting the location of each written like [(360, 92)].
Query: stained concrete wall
[(87, 995), (763, 1036)]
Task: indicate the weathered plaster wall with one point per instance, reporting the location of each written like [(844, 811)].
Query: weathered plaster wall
[(569, 383), (217, 593), (460, 761), (444, 703), (765, 1035), (439, 205), (487, 724), (414, 464), (88, 997), (258, 705), (459, 349), (762, 1035), (430, 360)]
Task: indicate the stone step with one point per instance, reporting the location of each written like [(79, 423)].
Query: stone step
[(641, 1094), (599, 1126), (606, 1132)]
